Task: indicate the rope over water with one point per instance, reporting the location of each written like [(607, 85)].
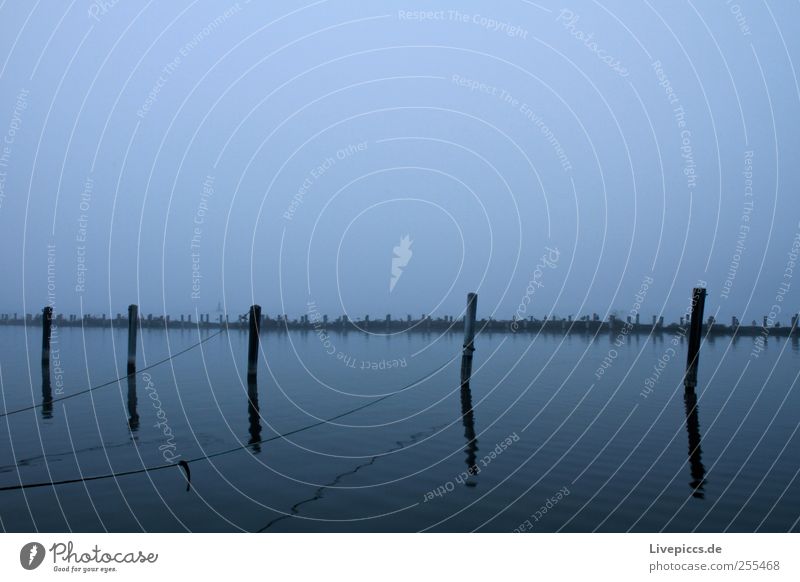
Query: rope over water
[(110, 382), (184, 465)]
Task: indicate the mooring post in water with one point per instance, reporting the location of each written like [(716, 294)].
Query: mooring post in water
[(696, 467), (133, 321), (468, 420), (253, 414), (47, 392), (133, 415), (469, 337), (252, 351), (47, 323), (695, 335)]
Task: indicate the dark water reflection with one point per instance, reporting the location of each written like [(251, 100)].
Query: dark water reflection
[(619, 449), (698, 471)]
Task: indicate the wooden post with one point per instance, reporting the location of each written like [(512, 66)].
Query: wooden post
[(47, 323), (253, 414), (695, 335), (47, 393), (133, 415), (252, 351), (133, 323), (469, 337), (468, 420), (469, 322), (696, 468)]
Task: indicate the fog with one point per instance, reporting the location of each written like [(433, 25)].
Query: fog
[(389, 157)]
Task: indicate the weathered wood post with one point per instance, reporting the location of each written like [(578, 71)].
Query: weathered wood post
[(47, 324), (696, 468), (133, 415), (252, 351), (253, 414), (468, 420), (133, 323), (47, 392), (469, 337), (695, 335)]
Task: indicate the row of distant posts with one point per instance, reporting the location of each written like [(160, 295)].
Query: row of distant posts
[(133, 325), (692, 356)]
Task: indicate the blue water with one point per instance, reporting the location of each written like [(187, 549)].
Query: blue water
[(557, 446)]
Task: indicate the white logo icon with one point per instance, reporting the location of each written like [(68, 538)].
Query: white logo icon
[(402, 255)]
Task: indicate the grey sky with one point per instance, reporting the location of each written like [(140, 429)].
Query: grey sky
[(308, 139)]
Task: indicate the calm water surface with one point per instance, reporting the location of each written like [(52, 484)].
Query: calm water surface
[(557, 445)]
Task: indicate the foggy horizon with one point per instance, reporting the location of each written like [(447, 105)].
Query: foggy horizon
[(204, 154)]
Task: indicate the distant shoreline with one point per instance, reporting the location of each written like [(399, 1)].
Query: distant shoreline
[(447, 324)]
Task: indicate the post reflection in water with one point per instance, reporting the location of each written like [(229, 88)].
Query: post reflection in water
[(468, 419), (696, 468), (47, 393), (133, 415), (253, 414)]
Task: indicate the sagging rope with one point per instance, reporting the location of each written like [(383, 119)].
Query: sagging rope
[(185, 464), (110, 382)]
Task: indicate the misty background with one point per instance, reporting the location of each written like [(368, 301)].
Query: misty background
[(184, 155)]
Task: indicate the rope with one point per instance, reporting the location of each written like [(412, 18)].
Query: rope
[(110, 382), (185, 464), (295, 509)]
